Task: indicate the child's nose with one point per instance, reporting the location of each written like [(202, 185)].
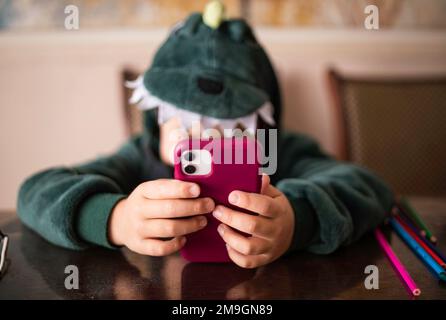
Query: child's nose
[(195, 130)]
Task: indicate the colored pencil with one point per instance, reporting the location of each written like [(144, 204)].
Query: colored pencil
[(415, 217), (425, 241), (436, 269), (396, 264), (417, 238)]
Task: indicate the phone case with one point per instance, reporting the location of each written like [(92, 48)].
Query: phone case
[(206, 245)]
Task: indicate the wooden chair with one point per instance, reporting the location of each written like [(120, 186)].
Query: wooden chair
[(395, 127)]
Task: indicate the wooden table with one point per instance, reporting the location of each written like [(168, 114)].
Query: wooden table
[(36, 271)]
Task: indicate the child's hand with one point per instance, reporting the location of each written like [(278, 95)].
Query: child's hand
[(272, 230), (139, 221)]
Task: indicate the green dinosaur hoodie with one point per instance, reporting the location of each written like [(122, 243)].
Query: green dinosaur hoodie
[(225, 74)]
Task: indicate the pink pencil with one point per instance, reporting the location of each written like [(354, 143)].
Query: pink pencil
[(396, 264)]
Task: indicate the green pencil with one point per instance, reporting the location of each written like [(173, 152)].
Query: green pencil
[(415, 217)]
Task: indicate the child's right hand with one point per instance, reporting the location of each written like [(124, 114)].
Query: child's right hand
[(139, 221)]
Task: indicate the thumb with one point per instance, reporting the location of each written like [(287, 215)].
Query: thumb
[(268, 189), (265, 183)]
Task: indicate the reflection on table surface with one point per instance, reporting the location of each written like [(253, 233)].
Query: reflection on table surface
[(36, 270)]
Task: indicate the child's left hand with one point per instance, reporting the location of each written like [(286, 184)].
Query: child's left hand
[(271, 230)]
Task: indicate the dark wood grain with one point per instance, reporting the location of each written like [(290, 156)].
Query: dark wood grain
[(36, 271)]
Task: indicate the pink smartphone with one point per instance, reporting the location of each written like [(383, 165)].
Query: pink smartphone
[(219, 166)]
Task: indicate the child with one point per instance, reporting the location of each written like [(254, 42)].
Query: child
[(217, 74)]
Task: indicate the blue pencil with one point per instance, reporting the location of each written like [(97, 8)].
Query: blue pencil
[(418, 250), (425, 241)]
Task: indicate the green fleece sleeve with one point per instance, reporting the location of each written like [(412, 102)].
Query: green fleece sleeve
[(70, 207), (334, 202)]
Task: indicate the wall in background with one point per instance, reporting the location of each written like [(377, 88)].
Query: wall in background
[(94, 14)]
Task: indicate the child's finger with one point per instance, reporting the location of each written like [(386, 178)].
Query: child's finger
[(265, 182), (255, 225), (165, 228), (155, 247), (272, 191), (244, 245), (169, 189), (245, 261), (258, 203), (267, 188), (176, 208)]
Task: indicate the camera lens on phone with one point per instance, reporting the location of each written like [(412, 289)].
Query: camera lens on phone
[(190, 169), (189, 156)]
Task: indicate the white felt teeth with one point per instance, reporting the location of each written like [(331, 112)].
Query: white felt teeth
[(146, 101)]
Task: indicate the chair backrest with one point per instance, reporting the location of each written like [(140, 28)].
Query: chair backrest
[(395, 127), (132, 115)]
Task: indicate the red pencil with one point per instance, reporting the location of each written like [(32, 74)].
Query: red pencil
[(420, 242)]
